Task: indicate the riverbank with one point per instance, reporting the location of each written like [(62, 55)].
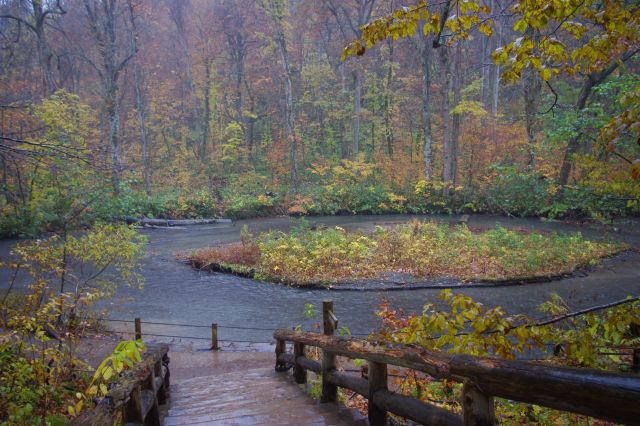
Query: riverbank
[(176, 293)]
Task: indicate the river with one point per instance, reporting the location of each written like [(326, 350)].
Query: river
[(175, 293)]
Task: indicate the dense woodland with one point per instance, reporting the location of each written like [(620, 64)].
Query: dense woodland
[(196, 108), (114, 110)]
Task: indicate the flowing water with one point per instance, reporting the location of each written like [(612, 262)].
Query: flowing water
[(175, 293)]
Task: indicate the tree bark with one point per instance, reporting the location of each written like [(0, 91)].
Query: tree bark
[(455, 125), (532, 86), (496, 72), (446, 120), (103, 20), (206, 113), (141, 106), (388, 102), (276, 9), (357, 102), (425, 59)]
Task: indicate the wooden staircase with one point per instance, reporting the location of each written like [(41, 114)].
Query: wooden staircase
[(251, 397)]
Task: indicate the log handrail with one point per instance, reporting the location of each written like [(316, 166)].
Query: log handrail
[(135, 395), (606, 395)]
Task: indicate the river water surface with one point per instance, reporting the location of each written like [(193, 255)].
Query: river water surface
[(175, 293)]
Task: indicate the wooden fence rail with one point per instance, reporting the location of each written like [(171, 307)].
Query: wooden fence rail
[(605, 395), (135, 395)]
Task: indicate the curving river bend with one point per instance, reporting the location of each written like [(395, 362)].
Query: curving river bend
[(175, 293)]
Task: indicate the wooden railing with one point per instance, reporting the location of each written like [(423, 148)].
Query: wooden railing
[(136, 394), (609, 396)]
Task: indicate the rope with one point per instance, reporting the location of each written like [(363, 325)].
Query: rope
[(195, 337), (236, 327)]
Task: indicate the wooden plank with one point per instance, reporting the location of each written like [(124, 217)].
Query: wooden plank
[(138, 329), (477, 407), (299, 372), (309, 364), (147, 401), (377, 382), (434, 363), (214, 337), (349, 381), (305, 362), (281, 347), (329, 390), (605, 395), (414, 409)]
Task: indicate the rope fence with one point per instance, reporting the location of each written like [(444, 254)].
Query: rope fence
[(213, 327)]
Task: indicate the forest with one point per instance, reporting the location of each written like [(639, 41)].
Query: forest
[(196, 109), (430, 146)]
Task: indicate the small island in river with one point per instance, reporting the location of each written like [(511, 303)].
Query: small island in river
[(413, 253)]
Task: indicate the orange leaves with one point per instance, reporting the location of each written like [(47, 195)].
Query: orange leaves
[(635, 169)]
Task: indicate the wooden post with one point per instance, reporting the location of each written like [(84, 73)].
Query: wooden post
[(329, 391), (299, 373), (329, 320), (138, 328), (477, 407), (635, 366), (280, 349), (377, 381), (214, 337)]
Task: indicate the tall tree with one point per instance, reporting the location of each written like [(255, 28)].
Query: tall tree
[(590, 81), (458, 79), (423, 45), (103, 17), (140, 100), (36, 20), (532, 85), (446, 86), (277, 11), (350, 19)]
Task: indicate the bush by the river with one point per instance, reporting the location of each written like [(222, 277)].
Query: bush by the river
[(422, 250)]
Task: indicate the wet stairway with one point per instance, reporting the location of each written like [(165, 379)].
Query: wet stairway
[(251, 397)]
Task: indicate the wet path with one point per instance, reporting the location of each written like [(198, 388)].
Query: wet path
[(176, 293)]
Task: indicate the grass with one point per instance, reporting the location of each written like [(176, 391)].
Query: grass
[(420, 249)]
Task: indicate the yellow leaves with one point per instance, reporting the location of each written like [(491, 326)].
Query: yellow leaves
[(521, 26), (435, 22), (427, 28), (485, 29), (107, 373)]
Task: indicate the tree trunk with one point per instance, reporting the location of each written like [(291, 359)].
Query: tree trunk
[(532, 87), (455, 125), (113, 118), (44, 51), (484, 72), (446, 121), (357, 101), (496, 73), (345, 149), (141, 107), (574, 142), (388, 100), (425, 58), (206, 116), (288, 94)]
